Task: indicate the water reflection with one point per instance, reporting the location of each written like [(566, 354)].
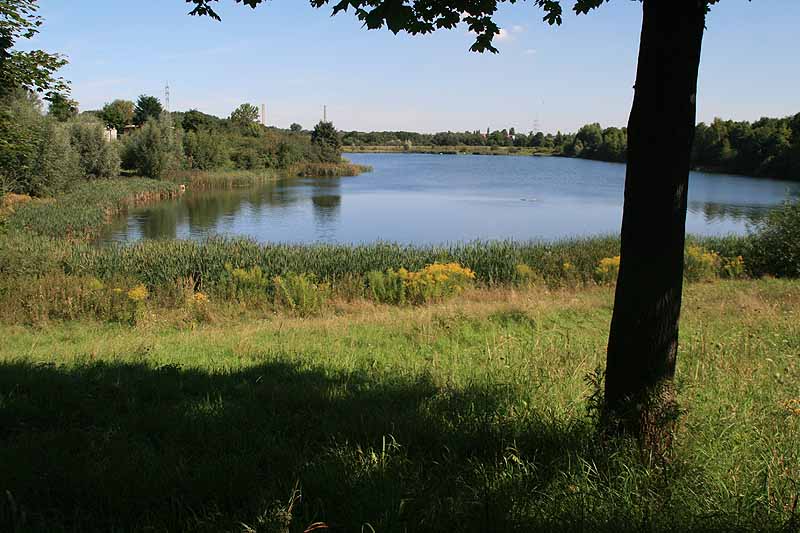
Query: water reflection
[(204, 213), (326, 200), (716, 212), (436, 199)]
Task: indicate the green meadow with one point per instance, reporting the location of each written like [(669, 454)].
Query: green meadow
[(471, 414)]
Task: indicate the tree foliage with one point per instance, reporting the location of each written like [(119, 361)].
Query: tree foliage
[(326, 137), (118, 114), (426, 16), (57, 163), (594, 142), (502, 137), (147, 107), (205, 150), (245, 115), (155, 149), (62, 108), (766, 147), (98, 157), (42, 156), (20, 141), (33, 70), (194, 120)]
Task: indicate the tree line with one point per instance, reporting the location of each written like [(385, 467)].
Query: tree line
[(768, 147), (502, 137), (44, 151)]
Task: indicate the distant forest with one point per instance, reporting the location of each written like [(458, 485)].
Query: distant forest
[(768, 147)]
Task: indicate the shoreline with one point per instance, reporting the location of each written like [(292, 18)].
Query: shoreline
[(521, 152)]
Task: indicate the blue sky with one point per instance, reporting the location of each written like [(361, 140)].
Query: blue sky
[(295, 58)]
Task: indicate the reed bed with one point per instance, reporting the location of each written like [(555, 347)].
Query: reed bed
[(224, 179), (327, 170), (81, 213), (494, 262)]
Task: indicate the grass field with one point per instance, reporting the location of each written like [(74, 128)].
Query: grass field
[(468, 415)]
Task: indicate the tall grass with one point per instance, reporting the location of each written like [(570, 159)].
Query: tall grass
[(159, 262), (82, 212), (328, 170), (233, 179), (223, 179), (466, 416)]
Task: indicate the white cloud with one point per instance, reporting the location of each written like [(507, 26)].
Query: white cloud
[(503, 35), (530, 52), (517, 29)]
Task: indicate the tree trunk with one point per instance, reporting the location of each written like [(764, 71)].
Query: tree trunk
[(643, 342)]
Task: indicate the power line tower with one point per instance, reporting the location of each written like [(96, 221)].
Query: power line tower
[(263, 114), (166, 97)]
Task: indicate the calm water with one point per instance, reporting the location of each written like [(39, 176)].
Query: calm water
[(443, 198)]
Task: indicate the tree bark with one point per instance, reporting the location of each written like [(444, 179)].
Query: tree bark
[(643, 341)]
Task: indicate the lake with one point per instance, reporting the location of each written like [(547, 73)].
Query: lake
[(423, 198)]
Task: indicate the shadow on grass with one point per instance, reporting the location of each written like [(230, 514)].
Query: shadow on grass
[(124, 447)]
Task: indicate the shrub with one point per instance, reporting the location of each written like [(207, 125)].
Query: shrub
[(607, 270), (434, 282), (98, 157), (386, 287), (733, 267), (204, 150), (36, 153), (20, 124), (57, 164), (700, 264), (246, 285), (775, 246), (300, 293), (155, 149)]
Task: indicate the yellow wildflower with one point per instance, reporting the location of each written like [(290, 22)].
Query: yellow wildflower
[(200, 298), (607, 269), (138, 293), (700, 264)]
